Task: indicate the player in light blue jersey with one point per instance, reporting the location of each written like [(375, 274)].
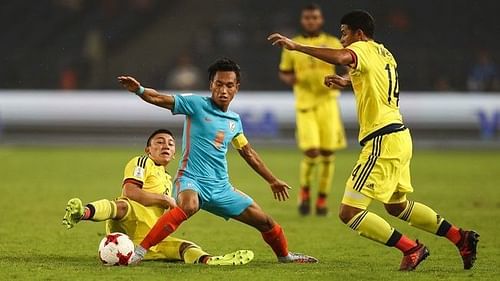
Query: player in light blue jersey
[(202, 179)]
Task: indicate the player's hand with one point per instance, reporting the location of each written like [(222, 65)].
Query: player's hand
[(169, 202), (336, 81), (129, 83), (280, 190), (283, 41)]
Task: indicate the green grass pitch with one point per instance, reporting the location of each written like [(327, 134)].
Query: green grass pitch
[(36, 183)]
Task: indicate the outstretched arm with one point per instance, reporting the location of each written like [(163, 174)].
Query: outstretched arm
[(135, 192), (333, 56), (147, 94), (279, 187)]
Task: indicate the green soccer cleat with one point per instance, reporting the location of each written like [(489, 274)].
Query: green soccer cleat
[(74, 213), (239, 257)]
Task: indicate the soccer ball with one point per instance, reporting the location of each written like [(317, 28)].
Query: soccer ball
[(116, 249)]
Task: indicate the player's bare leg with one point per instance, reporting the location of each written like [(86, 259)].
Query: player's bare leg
[(307, 167), (373, 227), (424, 218), (273, 234)]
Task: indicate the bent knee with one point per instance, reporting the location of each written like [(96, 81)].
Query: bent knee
[(346, 213), (395, 209), (188, 202), (326, 153), (190, 207), (312, 153), (121, 209), (345, 217)]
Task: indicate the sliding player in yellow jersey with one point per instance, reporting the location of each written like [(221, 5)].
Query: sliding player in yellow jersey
[(146, 195), (320, 131), (383, 169)]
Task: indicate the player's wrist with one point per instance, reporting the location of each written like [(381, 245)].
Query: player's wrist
[(298, 47), (272, 181), (140, 90)]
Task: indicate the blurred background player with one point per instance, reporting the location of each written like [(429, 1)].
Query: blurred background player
[(146, 195), (320, 131), (382, 171), (202, 180)]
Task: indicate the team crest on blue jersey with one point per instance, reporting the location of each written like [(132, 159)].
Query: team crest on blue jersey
[(232, 126)]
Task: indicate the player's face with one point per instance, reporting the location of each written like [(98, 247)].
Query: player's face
[(311, 21), (347, 36), (224, 86), (162, 149)]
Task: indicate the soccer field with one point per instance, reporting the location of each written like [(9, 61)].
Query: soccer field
[(37, 182)]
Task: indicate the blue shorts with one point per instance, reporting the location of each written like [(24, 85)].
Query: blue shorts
[(219, 198)]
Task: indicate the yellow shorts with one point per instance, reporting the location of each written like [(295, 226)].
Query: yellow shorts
[(321, 127), (137, 223), (382, 171)]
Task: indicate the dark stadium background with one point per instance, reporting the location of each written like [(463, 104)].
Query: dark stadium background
[(437, 43)]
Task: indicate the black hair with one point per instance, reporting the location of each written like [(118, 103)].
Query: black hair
[(359, 20), (223, 64), (311, 7), (159, 131)]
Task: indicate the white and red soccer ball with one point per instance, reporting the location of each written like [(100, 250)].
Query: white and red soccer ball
[(116, 249)]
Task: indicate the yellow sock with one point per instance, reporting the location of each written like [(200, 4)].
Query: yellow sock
[(193, 254), (306, 170), (371, 226), (102, 210), (326, 172), (421, 216)]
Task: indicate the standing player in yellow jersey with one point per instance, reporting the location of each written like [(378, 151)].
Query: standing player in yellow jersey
[(146, 194), (383, 169), (320, 131)]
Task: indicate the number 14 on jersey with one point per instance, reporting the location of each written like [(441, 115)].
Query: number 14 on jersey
[(393, 90)]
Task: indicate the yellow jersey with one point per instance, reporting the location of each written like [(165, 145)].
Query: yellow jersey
[(153, 178), (375, 83), (310, 72)]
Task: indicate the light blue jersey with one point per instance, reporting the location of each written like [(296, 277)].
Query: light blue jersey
[(208, 131)]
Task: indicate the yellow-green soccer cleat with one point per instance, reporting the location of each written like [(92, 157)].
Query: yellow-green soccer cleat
[(74, 213), (239, 257)]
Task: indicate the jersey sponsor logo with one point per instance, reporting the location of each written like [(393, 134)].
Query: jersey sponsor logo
[(139, 172), (207, 119)]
